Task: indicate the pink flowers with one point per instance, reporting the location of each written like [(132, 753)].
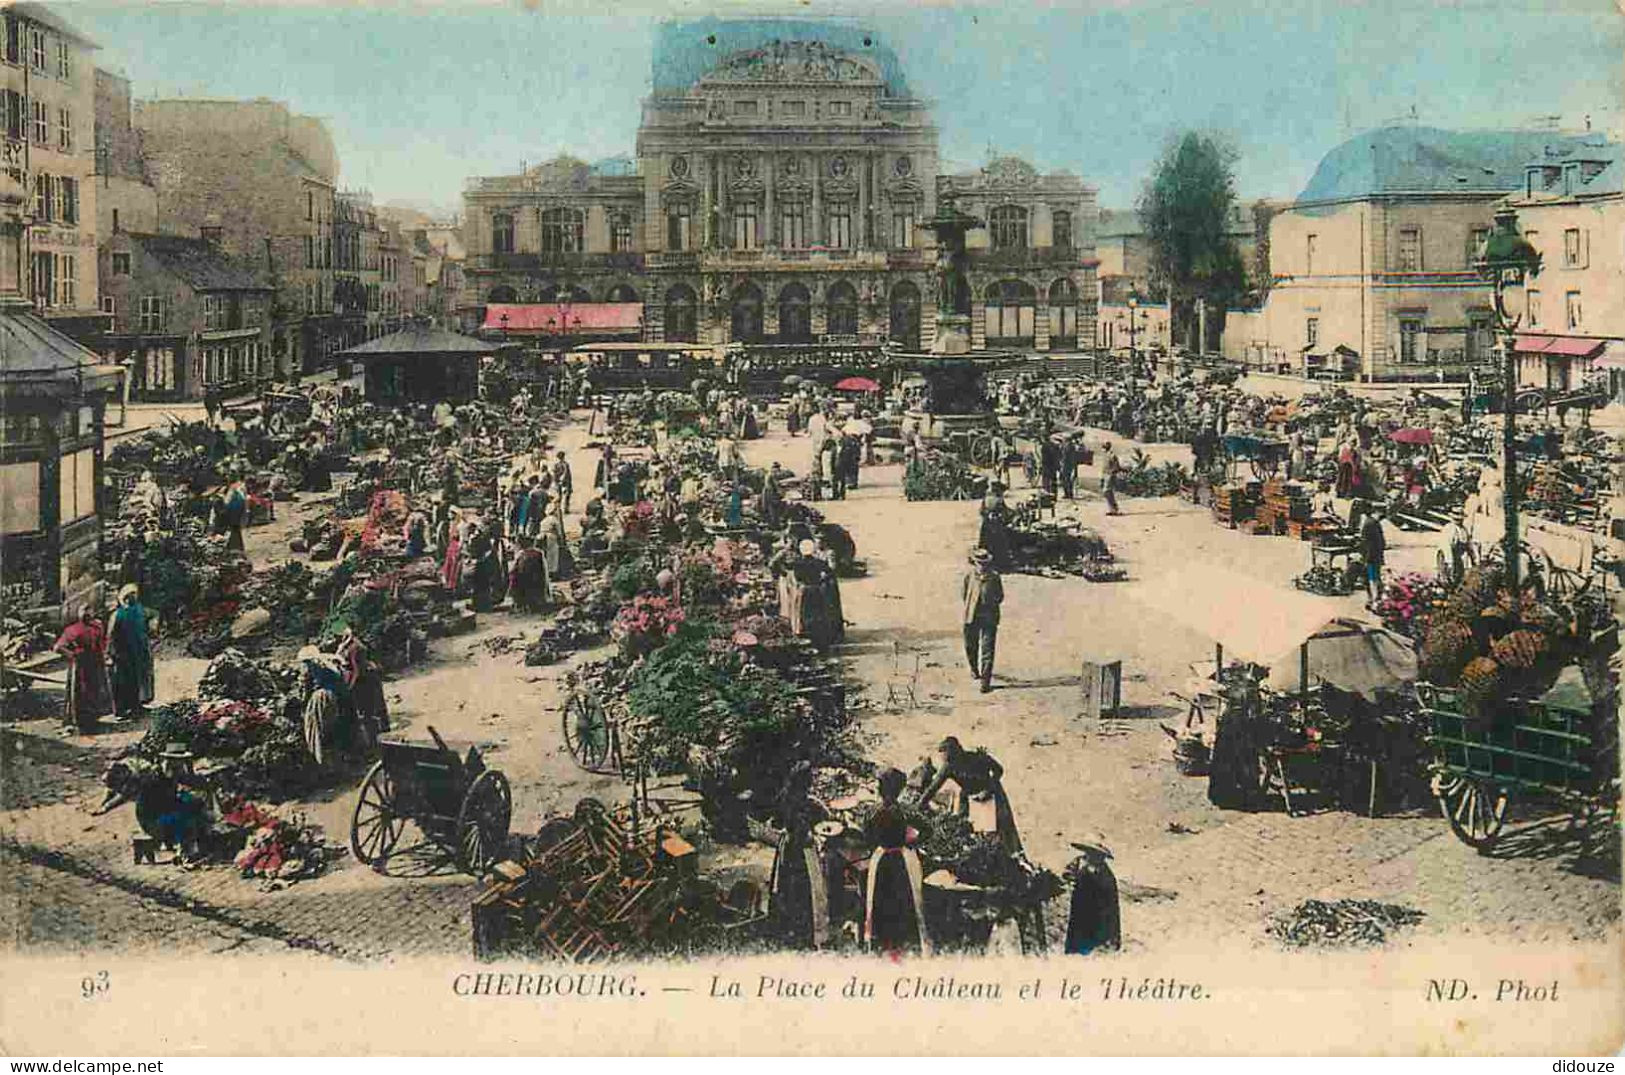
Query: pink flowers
[(1406, 601), (647, 619)]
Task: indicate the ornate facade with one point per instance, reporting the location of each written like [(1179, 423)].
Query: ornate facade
[(783, 171)]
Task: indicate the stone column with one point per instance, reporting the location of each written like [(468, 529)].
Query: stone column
[(724, 225), (770, 225), (816, 225), (862, 223), (707, 229)]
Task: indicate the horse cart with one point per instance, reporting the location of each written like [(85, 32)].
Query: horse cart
[(460, 806), (1521, 750), (1264, 455)]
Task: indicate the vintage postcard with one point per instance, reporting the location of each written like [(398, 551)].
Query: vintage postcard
[(811, 528)]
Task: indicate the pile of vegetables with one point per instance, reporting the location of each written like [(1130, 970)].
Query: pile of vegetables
[(1140, 478), (940, 476)]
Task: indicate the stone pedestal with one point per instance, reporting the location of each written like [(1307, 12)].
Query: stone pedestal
[(952, 335)]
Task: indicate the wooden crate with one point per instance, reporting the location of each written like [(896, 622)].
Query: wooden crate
[(1102, 688)]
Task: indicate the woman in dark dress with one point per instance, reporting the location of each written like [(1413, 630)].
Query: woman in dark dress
[(800, 894), (894, 907), (1233, 773), (979, 776)]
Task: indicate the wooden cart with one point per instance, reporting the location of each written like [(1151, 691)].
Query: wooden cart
[(460, 806), (1524, 749)]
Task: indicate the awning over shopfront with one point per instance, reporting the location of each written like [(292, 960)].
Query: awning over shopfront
[(564, 319), (1561, 346)]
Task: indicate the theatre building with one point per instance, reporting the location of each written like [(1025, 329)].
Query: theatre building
[(782, 174)]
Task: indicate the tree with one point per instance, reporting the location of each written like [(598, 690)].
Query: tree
[(1184, 209)]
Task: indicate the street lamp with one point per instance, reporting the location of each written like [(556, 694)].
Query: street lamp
[(503, 321), (1505, 260)]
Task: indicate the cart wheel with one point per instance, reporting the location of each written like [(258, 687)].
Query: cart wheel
[(1475, 808), (482, 823), (374, 827), (981, 452), (586, 730)]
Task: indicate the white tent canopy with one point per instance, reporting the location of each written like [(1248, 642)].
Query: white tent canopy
[(1253, 620)]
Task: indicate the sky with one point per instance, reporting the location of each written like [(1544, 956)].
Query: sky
[(420, 96)]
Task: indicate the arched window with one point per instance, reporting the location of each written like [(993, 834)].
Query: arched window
[(905, 316), (1012, 309), (561, 231), (622, 293), (1008, 226), (620, 233), (1063, 315), (502, 294), (841, 310), (1060, 229), (681, 321), (570, 293), (746, 321), (502, 233), (795, 314)]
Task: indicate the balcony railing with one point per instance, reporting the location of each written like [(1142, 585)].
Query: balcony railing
[(624, 261), (1025, 256)]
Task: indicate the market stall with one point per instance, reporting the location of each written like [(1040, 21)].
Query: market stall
[(421, 364)]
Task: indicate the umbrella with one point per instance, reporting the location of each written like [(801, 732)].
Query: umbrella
[(794, 378), (856, 384), (1412, 436), (1352, 656)]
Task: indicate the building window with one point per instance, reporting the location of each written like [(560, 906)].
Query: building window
[(310, 205), (561, 231), (502, 233), (1311, 332), (620, 233), (1410, 335), (793, 109), (745, 225), (793, 226), (744, 108), (16, 111), (64, 130), (64, 62), (1061, 229), (20, 497), (1571, 310), (1573, 249), (67, 200), (1476, 238), (841, 312), (67, 281), (310, 251), (1011, 309), (152, 313), (1410, 250), (1533, 309), (213, 318), (121, 263), (41, 125), (1309, 242), (43, 202), (36, 49), (1063, 314), (13, 33), (677, 227), (1008, 226), (903, 227), (109, 305), (840, 109), (1478, 337), (839, 236), (43, 279)]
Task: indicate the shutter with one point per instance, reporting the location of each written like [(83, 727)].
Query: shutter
[(1585, 248)]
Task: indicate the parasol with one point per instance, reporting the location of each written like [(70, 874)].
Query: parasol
[(794, 378), (856, 384), (1413, 435), (1356, 657)]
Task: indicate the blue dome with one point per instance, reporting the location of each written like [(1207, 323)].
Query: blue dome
[(686, 49)]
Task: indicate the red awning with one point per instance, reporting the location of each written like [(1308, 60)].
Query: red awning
[(561, 319), (1569, 346)]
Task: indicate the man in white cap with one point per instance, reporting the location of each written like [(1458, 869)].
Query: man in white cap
[(982, 593)]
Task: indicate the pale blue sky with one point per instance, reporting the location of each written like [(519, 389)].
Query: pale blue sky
[(420, 96)]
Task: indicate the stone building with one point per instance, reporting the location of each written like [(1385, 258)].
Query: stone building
[(49, 113), (1572, 209), (1125, 252), (186, 315), (783, 169), (1374, 257), (126, 199), (356, 233), (274, 172)]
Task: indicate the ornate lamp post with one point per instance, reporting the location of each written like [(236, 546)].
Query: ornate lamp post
[(1506, 260)]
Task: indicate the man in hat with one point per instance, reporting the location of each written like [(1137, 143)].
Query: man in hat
[(1373, 549), (563, 480), (982, 594), (1094, 922), (1070, 458), (1111, 473)]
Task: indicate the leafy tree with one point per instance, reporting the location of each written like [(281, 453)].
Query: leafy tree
[(1184, 208)]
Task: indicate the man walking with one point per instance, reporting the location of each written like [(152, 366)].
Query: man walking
[(1111, 469), (563, 479), (982, 592), (1373, 547)]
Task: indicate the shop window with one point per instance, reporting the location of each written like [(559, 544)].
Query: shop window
[(19, 498), (76, 481)]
